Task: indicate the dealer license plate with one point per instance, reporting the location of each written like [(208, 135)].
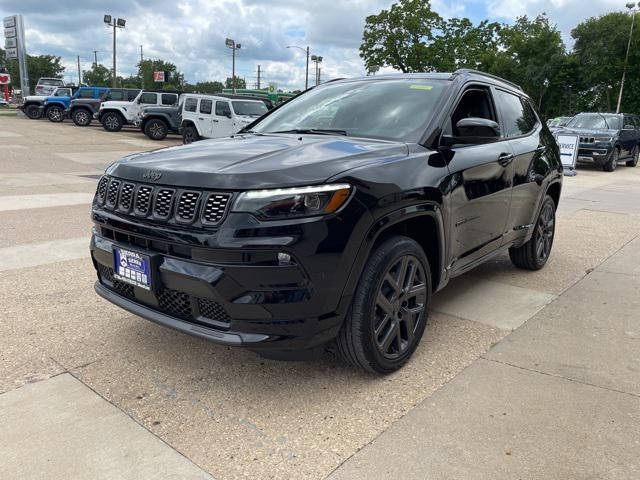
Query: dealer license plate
[(132, 267)]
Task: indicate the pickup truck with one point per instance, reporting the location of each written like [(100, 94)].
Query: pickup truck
[(31, 105), (54, 108), (83, 110), (115, 114)]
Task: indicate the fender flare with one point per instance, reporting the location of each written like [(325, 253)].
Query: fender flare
[(189, 123)]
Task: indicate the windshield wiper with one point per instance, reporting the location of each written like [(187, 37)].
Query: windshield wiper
[(313, 131), (605, 120)]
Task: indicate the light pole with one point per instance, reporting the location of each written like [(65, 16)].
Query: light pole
[(306, 75), (632, 8), (115, 23), (317, 59), (230, 43)]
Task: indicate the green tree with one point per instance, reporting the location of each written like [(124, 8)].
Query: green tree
[(240, 82), (600, 49), (147, 67), (98, 76), (38, 66), (401, 37), (461, 44), (206, 87)]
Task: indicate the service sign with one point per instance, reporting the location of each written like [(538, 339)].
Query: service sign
[(568, 150), (11, 53), (9, 22), (158, 76), (10, 32), (5, 79), (10, 42)]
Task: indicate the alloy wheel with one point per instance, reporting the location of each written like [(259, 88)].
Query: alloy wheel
[(399, 308), (545, 232), (111, 122), (55, 114), (82, 117), (156, 130)]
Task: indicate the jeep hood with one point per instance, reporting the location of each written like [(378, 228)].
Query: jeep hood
[(586, 131), (256, 161)]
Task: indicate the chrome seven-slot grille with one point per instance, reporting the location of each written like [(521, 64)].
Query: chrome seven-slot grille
[(184, 206)]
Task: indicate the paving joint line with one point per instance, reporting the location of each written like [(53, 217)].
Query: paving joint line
[(540, 372)]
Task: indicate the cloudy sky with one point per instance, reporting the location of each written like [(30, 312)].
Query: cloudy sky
[(191, 33)]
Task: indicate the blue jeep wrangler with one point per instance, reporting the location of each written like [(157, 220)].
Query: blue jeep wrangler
[(55, 107)]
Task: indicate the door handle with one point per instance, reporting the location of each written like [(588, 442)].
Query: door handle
[(505, 159), (215, 121), (541, 149)]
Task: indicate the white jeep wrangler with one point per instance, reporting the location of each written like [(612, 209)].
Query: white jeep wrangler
[(211, 116), (115, 114)]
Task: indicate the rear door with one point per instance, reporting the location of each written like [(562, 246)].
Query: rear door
[(206, 117), (628, 135), (481, 190), (522, 127), (223, 124)]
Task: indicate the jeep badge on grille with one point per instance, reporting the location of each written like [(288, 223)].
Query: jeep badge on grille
[(152, 175)]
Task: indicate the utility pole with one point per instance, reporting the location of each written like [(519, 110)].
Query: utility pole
[(95, 57), (306, 72), (79, 72), (318, 60), (319, 76), (115, 23), (632, 7), (258, 85), (230, 43), (141, 72)]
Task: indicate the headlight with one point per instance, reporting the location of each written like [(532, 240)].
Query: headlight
[(294, 202), (603, 139)]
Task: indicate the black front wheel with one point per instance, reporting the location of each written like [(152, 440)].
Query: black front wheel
[(389, 310), (156, 129), (55, 114), (534, 254), (81, 117), (33, 112), (612, 162), (190, 135)]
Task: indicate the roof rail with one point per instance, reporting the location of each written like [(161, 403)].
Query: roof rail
[(462, 71)]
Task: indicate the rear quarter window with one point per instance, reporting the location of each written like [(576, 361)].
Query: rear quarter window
[(169, 99), (518, 118), (190, 104)]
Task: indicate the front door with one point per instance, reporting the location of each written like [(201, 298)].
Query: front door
[(223, 124), (480, 192)]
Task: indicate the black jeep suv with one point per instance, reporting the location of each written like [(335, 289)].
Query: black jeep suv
[(332, 219), (606, 138)]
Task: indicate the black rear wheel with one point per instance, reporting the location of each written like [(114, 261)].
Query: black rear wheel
[(634, 157), (156, 129), (33, 112), (55, 114), (81, 117), (112, 122), (534, 254), (389, 310), (190, 135)]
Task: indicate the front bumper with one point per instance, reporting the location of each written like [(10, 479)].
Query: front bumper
[(594, 153), (231, 289)]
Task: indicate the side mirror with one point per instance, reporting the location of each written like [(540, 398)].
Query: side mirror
[(227, 114), (474, 131)]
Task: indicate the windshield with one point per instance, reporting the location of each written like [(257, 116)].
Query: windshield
[(49, 81), (254, 109), (595, 121), (385, 109)]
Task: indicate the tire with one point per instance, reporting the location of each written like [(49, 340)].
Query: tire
[(534, 254), (55, 114), (377, 334), (81, 117), (112, 122), (33, 112), (190, 135), (612, 162), (634, 157), (156, 129)]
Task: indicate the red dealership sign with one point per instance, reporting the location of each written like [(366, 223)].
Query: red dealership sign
[(5, 79), (158, 76)]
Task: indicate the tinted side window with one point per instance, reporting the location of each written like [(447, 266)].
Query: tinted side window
[(116, 95), (223, 109), (190, 104), (169, 99), (132, 94), (513, 114), (206, 106), (149, 98), (86, 94)]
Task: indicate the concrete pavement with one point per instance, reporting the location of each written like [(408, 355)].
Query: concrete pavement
[(234, 415)]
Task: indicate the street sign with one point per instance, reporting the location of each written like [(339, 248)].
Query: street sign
[(9, 22), (10, 32), (5, 78), (273, 88), (158, 76), (11, 53), (10, 43)]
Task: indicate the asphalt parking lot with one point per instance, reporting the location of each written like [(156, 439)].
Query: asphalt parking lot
[(519, 375)]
